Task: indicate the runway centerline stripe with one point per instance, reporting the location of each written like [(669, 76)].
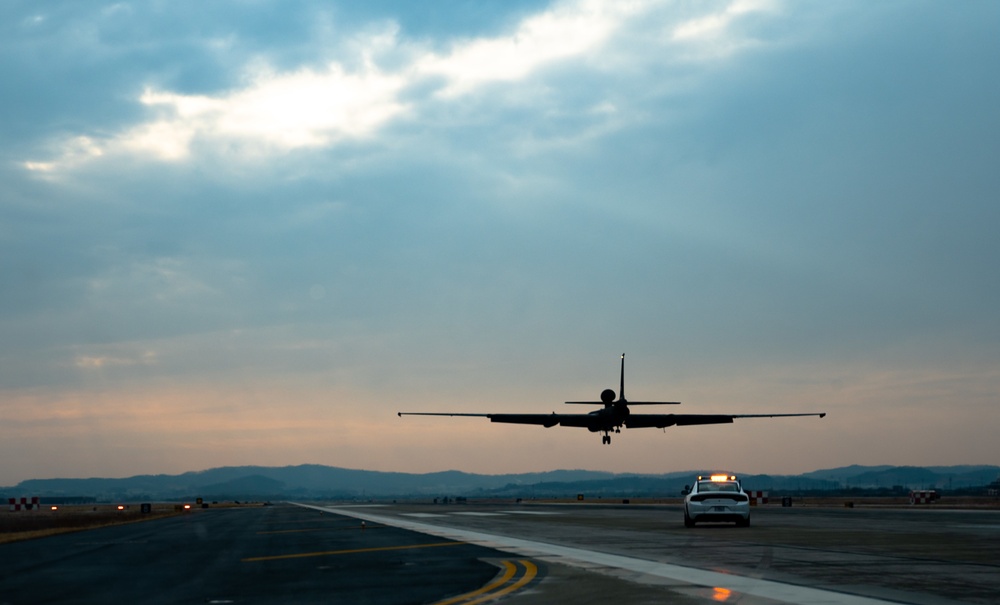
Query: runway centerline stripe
[(353, 551)]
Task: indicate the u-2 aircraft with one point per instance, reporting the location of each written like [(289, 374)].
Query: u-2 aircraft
[(614, 415)]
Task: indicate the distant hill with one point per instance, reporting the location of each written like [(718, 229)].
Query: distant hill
[(845, 472), (312, 481), (305, 481), (945, 477)]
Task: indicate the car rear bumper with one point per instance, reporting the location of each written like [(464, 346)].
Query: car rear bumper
[(718, 511), (719, 517)]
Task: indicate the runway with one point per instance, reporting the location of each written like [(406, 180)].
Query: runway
[(266, 555), (643, 554), (517, 553)]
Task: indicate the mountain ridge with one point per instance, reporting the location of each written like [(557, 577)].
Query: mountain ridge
[(316, 481)]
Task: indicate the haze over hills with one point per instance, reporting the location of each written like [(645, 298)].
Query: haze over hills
[(317, 481)]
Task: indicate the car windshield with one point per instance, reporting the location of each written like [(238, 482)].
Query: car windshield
[(718, 486)]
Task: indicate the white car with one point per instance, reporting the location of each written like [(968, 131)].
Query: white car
[(718, 498)]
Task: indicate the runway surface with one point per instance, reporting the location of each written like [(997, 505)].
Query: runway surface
[(522, 554), (638, 554), (279, 554)]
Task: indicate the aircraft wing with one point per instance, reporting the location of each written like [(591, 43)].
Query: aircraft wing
[(628, 402), (546, 420), (594, 423), (440, 414), (662, 421)]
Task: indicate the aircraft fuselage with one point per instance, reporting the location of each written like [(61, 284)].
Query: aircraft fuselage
[(609, 418)]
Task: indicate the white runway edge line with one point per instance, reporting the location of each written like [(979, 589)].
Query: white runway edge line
[(787, 593)]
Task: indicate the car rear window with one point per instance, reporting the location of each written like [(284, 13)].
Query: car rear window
[(717, 486)]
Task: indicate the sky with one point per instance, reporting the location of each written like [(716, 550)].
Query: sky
[(249, 232)]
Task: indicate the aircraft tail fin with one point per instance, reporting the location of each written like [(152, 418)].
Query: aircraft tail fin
[(608, 395), (621, 388)]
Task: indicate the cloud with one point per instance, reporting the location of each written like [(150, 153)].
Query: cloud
[(564, 32), (73, 152), (280, 111), (274, 111), (714, 25), (96, 362)]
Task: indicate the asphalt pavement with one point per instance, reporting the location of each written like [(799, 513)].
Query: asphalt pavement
[(275, 554), (520, 553)]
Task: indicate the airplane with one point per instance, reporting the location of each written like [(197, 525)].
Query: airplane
[(613, 416)]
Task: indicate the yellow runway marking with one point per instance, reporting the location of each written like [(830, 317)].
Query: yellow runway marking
[(354, 551), (509, 570), (497, 588)]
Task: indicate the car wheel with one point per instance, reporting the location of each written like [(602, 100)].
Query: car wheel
[(688, 521), (743, 522)]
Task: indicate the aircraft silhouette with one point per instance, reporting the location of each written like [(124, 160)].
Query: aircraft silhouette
[(614, 415)]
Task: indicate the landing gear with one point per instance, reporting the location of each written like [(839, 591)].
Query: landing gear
[(606, 439)]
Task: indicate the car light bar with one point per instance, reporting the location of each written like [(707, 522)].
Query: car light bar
[(719, 478)]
